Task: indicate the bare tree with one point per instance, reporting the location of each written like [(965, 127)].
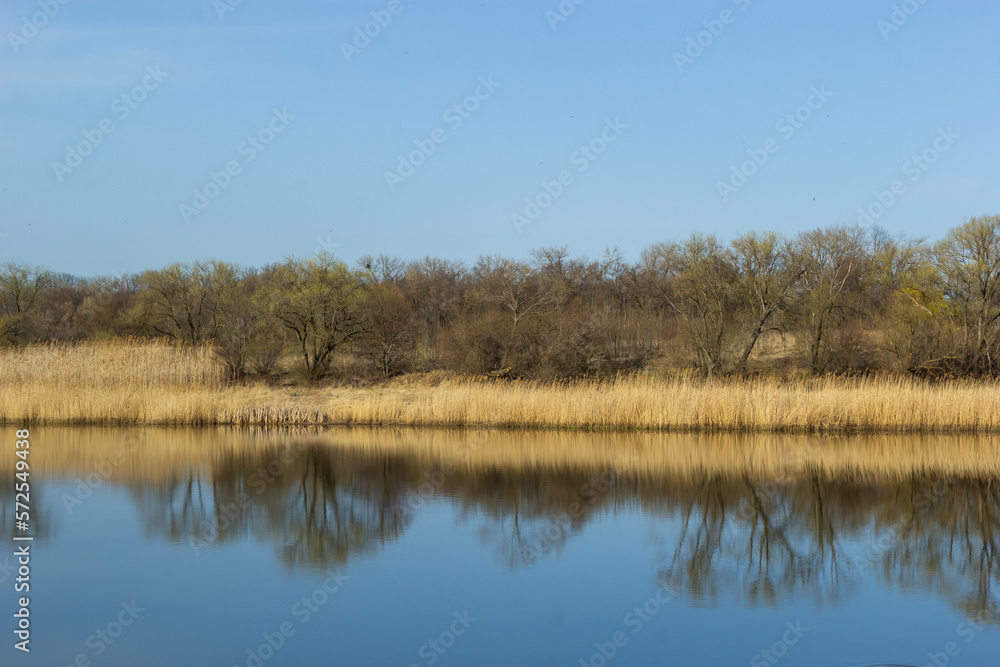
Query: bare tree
[(320, 301), (770, 269), (21, 290), (436, 290), (697, 281), (182, 300), (247, 337), (382, 269), (518, 292), (834, 261), (389, 323), (969, 257)]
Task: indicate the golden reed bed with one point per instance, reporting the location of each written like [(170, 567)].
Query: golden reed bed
[(138, 382)]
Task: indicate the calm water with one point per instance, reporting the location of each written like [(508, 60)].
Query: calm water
[(182, 547)]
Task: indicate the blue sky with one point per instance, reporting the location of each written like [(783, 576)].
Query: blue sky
[(321, 180)]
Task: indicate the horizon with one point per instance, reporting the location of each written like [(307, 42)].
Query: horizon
[(144, 136), (321, 253)]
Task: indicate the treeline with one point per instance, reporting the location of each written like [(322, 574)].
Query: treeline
[(839, 299)]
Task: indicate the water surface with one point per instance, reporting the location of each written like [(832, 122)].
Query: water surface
[(357, 547)]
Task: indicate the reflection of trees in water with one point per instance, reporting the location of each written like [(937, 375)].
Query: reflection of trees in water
[(40, 520), (177, 508), (763, 541), (818, 539), (326, 512), (315, 508), (527, 515), (949, 544)]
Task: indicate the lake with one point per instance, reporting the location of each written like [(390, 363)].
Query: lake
[(430, 547)]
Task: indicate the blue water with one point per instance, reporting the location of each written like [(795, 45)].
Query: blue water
[(465, 579)]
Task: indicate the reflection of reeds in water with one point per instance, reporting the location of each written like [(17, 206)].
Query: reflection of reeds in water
[(151, 453), (909, 510), (141, 383)]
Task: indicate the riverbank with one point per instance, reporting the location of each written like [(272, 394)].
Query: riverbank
[(137, 383)]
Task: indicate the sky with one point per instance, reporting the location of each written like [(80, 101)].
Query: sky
[(136, 134)]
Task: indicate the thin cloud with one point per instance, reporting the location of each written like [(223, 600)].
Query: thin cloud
[(83, 71)]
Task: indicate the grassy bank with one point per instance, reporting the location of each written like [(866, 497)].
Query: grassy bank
[(133, 382)]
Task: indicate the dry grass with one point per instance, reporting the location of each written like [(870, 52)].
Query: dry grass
[(135, 382), (767, 405), (131, 362)]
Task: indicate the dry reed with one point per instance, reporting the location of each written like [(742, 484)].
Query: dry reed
[(128, 362), (139, 382)]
